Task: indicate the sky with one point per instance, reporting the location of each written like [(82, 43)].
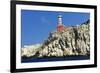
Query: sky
[(36, 25)]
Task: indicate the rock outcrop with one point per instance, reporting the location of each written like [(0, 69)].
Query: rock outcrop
[(73, 40), (30, 50)]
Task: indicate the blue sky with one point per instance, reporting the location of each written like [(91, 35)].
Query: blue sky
[(36, 25)]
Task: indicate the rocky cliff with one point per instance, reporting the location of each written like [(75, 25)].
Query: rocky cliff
[(73, 40)]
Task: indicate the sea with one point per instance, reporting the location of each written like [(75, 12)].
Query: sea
[(48, 59)]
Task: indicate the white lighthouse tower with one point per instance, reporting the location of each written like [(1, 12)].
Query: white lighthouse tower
[(60, 26), (59, 20)]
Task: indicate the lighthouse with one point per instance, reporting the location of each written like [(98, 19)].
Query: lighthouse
[(60, 26)]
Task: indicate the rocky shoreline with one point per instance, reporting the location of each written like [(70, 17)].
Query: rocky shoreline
[(72, 41)]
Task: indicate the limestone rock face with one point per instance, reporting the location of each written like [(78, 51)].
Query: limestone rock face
[(73, 40), (29, 51)]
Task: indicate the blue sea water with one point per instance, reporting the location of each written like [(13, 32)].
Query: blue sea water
[(67, 58)]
